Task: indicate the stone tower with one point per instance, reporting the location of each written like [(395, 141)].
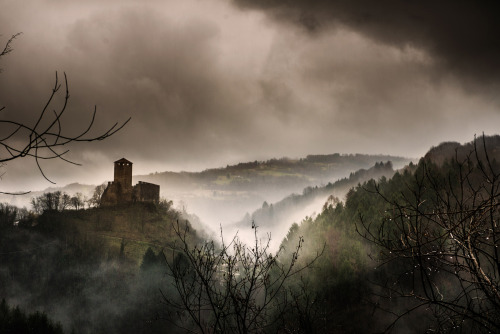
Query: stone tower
[(123, 173), (120, 191)]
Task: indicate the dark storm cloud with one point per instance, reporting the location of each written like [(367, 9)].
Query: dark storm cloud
[(134, 61), (461, 35), (208, 84)]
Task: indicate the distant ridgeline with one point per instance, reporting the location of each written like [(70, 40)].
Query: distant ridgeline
[(121, 191), (284, 175), (447, 151)]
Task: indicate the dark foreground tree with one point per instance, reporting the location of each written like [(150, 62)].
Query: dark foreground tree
[(51, 201), (10, 214), (14, 320), (95, 200), (45, 137), (231, 288), (439, 240)]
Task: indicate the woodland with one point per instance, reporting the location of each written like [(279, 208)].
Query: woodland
[(414, 252)]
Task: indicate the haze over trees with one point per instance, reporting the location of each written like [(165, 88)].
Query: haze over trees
[(281, 212), (431, 234), (224, 195), (408, 253), (231, 287)]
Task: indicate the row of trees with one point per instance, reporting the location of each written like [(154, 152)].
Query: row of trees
[(56, 201), (60, 201), (11, 215)]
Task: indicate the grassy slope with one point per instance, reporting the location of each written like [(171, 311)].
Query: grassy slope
[(118, 232)]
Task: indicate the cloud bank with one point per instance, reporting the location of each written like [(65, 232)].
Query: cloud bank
[(217, 82)]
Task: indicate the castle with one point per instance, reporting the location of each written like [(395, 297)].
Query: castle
[(121, 191)]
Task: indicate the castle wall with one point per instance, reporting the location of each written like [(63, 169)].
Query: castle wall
[(109, 196), (147, 192), (115, 194)]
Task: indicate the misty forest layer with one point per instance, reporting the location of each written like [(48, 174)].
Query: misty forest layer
[(408, 251)]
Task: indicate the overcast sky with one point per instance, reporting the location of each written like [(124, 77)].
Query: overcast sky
[(215, 82)]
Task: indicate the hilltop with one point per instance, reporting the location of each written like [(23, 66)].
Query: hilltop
[(451, 150), (285, 174), (119, 232)]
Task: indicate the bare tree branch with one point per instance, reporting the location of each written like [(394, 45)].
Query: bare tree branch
[(439, 237), (8, 47), (231, 288), (45, 140)]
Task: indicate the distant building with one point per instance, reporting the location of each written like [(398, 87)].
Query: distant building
[(121, 191)]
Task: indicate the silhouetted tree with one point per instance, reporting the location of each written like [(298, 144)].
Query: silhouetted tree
[(8, 215), (50, 201), (77, 201), (231, 288), (149, 260), (439, 238), (45, 139), (65, 201), (95, 200), (13, 320)]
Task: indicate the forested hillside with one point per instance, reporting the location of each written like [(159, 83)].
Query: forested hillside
[(284, 175), (276, 213), (411, 253), (224, 195), (431, 236), (91, 270)]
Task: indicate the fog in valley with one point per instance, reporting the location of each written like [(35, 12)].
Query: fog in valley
[(221, 198)]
